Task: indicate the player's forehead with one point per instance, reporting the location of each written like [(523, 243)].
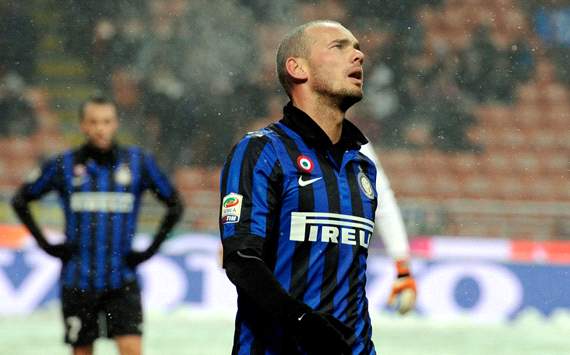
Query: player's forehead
[(326, 33), (95, 110)]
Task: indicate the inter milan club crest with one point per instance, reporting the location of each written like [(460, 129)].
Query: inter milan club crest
[(123, 175), (365, 185), (305, 163)]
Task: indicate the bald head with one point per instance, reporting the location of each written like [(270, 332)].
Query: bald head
[(295, 44)]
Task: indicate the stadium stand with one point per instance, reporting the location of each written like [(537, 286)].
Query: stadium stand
[(514, 185)]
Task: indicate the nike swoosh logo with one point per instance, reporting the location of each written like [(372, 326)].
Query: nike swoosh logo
[(304, 183)]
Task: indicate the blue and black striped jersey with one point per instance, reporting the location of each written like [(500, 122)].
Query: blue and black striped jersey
[(306, 208), (101, 201)]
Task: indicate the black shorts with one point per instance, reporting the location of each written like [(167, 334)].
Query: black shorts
[(89, 315)]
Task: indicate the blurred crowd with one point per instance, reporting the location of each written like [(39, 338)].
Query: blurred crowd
[(18, 39), (193, 76)]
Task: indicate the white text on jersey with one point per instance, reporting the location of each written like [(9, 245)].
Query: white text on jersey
[(109, 202), (330, 228)]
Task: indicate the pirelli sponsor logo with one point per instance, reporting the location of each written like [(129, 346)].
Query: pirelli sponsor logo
[(330, 228), (110, 202)]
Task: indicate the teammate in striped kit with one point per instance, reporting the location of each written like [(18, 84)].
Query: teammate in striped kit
[(298, 205), (100, 186)]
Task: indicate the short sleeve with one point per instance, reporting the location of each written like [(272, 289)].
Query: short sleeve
[(250, 189), (42, 180), (155, 180)]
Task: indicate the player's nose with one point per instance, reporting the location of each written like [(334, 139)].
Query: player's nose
[(358, 56)]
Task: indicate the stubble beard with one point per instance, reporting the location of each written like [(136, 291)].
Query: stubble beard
[(347, 98), (342, 98)]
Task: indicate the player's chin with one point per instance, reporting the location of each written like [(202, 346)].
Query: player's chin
[(102, 144), (350, 97)]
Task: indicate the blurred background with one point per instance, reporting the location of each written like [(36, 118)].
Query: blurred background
[(466, 101)]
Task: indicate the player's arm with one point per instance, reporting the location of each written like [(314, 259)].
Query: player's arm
[(393, 233), (166, 193), (250, 186), (33, 190)]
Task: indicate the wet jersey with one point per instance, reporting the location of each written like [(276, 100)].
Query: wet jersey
[(306, 208), (101, 201)]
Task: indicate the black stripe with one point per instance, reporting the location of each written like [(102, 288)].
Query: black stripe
[(109, 236), (369, 346), (367, 330), (273, 221), (329, 283), (302, 253), (126, 238), (355, 197), (68, 189), (252, 152), (92, 247)]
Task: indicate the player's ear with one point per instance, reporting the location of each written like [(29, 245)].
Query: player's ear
[(297, 68)]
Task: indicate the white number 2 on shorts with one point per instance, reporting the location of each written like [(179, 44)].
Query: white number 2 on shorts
[(74, 324)]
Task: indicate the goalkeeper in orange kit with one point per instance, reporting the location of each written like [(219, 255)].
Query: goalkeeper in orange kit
[(393, 233)]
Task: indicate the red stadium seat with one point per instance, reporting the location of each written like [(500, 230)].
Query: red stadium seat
[(554, 94), (528, 93)]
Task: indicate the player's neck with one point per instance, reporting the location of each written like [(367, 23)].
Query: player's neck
[(101, 156), (327, 116), (98, 149)]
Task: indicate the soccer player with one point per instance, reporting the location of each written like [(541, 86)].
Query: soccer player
[(393, 234), (298, 205), (100, 186)]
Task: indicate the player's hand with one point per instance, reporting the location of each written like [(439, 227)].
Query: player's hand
[(134, 258), (61, 251), (321, 333), (403, 295)]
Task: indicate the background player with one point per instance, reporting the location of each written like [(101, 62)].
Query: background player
[(393, 232), (100, 186), (298, 205)]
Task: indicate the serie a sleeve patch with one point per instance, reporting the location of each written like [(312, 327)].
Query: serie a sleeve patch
[(231, 208)]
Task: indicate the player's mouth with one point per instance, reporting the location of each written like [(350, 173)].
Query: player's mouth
[(101, 142), (356, 75)]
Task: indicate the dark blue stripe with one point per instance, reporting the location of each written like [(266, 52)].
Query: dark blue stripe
[(84, 242), (260, 207), (363, 321), (135, 164), (70, 217), (101, 238), (245, 340), (135, 157), (285, 247), (158, 179), (316, 267), (233, 181), (345, 253), (45, 179), (116, 255)]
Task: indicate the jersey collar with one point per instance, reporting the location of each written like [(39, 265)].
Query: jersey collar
[(109, 157), (312, 134)]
